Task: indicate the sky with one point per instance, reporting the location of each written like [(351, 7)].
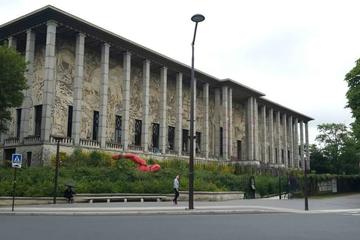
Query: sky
[(296, 52)]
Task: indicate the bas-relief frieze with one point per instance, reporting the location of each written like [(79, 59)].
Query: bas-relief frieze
[(136, 100), (186, 105), (115, 96), (91, 90), (65, 74), (154, 98), (239, 129), (171, 102)]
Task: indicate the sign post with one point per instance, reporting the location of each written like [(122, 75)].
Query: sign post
[(16, 161)]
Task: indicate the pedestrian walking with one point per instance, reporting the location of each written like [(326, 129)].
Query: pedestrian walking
[(176, 188)]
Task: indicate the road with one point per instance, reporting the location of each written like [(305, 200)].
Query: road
[(179, 227)]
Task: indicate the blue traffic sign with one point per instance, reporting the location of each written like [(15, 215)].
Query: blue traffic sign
[(16, 160)]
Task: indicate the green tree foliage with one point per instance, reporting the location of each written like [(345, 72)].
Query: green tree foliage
[(12, 82), (337, 151), (353, 96)]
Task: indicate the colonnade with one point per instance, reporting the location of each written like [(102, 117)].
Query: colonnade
[(272, 134)]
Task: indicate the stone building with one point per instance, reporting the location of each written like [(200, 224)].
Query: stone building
[(98, 90)]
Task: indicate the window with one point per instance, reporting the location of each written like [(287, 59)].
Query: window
[(70, 116), (282, 156), (198, 142), (171, 137), (118, 122), (95, 126), (239, 150), (138, 126), (28, 158), (18, 122), (288, 159), (221, 141), (276, 155), (155, 135), (38, 115), (185, 140)]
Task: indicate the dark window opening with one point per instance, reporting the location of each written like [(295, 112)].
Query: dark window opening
[(138, 126), (118, 122), (276, 156), (288, 159), (282, 156), (8, 155), (95, 126), (239, 150), (28, 158), (18, 122), (269, 152), (198, 142), (185, 140), (171, 137), (221, 141), (155, 135), (70, 117), (38, 116)]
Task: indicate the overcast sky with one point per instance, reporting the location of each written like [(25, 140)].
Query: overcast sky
[(296, 52)]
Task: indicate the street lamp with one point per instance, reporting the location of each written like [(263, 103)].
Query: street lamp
[(196, 18), (57, 139)]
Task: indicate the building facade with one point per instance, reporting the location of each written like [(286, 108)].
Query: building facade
[(96, 90)]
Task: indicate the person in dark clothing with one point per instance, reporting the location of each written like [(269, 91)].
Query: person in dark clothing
[(176, 188), (69, 194)]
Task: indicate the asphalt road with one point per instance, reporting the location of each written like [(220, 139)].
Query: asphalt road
[(179, 227)]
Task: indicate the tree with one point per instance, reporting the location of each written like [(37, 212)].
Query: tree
[(12, 83), (353, 96), (337, 150)]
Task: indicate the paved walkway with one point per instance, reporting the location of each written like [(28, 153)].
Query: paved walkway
[(347, 204)]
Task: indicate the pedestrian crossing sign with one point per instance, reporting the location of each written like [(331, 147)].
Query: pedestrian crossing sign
[(16, 160)]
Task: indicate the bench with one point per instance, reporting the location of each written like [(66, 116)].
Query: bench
[(122, 198)]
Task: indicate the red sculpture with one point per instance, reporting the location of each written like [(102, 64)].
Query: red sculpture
[(142, 166)]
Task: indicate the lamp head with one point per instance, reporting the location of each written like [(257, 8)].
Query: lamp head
[(197, 18)]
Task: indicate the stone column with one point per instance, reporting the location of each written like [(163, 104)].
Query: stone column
[(264, 130), (163, 122), (12, 42), (145, 124), (78, 85), (126, 100), (250, 128), (302, 144), (291, 138), (278, 140), (105, 54), (217, 123), (296, 143), (179, 113), (271, 130), (206, 121), (230, 129), (285, 140), (256, 131), (49, 81), (307, 146), (27, 103), (225, 119)]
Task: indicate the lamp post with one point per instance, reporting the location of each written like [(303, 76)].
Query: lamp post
[(196, 18), (57, 139)]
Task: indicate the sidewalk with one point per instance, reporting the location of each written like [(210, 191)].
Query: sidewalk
[(342, 204)]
